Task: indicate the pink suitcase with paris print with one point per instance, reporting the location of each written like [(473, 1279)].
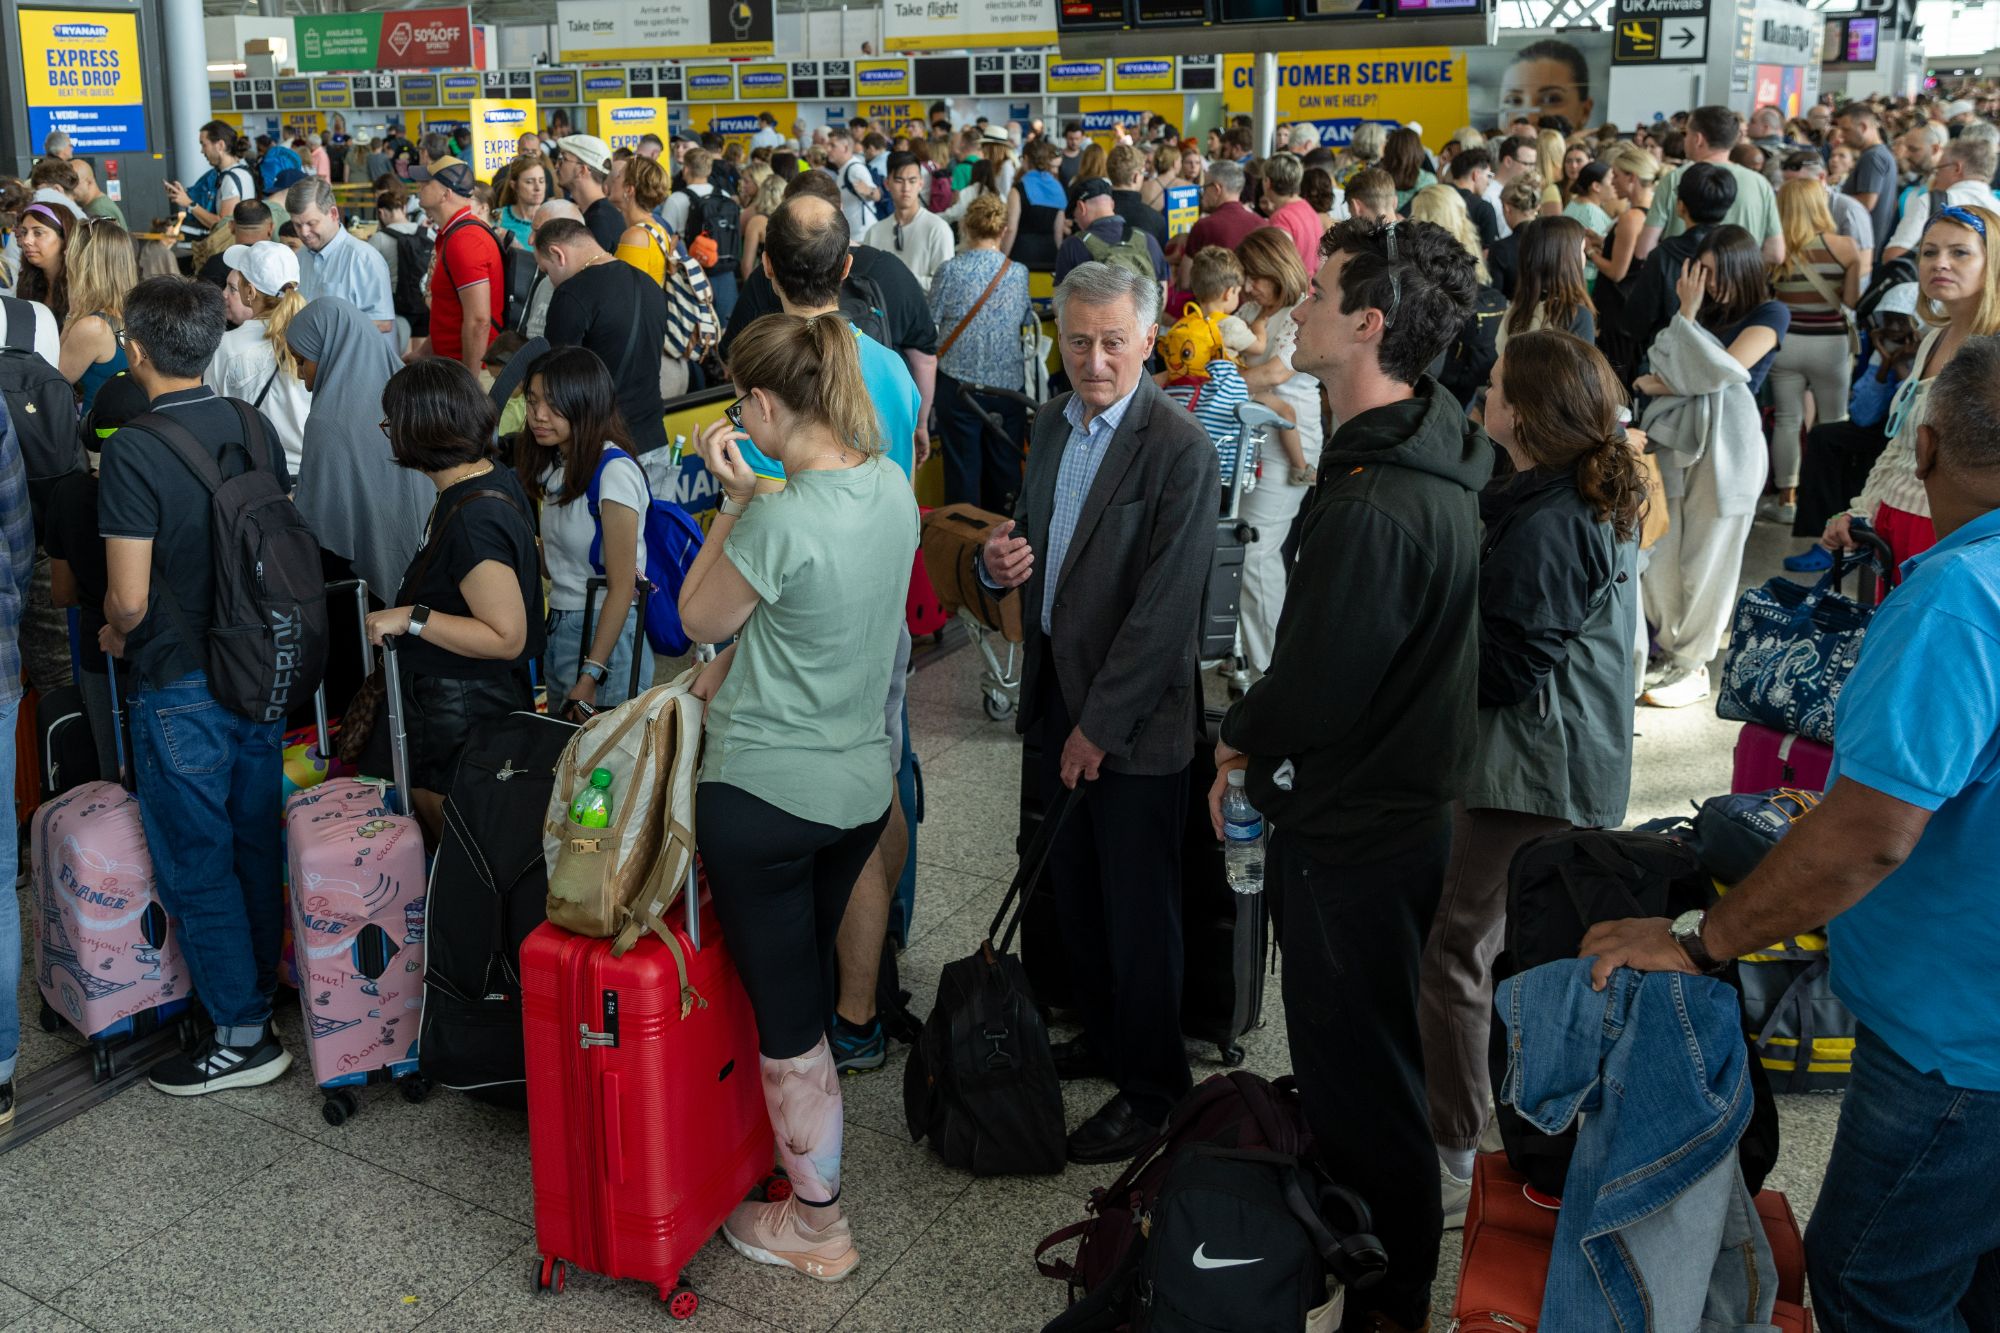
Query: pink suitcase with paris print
[(357, 874)]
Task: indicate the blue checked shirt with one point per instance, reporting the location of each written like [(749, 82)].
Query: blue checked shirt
[(17, 556), (1080, 461)]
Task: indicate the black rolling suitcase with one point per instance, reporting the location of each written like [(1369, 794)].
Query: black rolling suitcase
[(69, 749), (1225, 935)]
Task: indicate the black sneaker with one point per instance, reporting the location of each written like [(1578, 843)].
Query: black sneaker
[(213, 1067), (6, 1103)]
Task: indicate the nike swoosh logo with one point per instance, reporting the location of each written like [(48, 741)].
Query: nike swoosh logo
[(1201, 1260)]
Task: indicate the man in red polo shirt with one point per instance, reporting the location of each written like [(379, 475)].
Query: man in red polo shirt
[(1224, 221), (468, 283)]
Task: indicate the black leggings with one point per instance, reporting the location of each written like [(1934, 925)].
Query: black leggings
[(780, 886)]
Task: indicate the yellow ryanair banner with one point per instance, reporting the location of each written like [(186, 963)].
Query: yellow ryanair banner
[(1100, 114), (603, 85), (710, 83), (1339, 90), (497, 126), (1142, 74), (875, 79), (762, 83), (80, 75), (1076, 76), (622, 122)]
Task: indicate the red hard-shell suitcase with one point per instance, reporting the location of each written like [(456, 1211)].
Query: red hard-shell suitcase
[(1505, 1265), (1767, 759), (646, 1110)]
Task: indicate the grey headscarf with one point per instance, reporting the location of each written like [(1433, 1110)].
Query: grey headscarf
[(361, 505)]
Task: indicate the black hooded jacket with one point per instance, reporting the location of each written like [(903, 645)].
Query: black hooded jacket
[(1372, 695)]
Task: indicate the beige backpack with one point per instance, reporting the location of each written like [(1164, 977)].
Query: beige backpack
[(618, 881)]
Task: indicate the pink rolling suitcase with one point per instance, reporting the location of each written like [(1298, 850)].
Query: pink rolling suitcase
[(357, 872), (106, 958), (1767, 759)]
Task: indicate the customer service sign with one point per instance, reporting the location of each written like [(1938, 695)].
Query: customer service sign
[(80, 71)]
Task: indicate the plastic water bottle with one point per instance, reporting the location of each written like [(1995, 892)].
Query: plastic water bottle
[(592, 806), (1243, 838)]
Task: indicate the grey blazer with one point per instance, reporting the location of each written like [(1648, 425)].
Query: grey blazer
[(1127, 610)]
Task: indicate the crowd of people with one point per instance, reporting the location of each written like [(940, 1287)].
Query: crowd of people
[(1446, 620)]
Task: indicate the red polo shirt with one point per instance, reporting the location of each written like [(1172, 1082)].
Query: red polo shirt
[(466, 254)]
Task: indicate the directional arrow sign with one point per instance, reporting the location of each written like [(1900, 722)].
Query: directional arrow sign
[(1684, 39)]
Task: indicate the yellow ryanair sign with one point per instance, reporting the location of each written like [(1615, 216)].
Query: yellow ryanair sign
[(497, 126), (1340, 90), (80, 75), (622, 122)]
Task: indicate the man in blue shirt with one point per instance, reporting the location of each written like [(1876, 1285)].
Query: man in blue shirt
[(1902, 860), (345, 267)]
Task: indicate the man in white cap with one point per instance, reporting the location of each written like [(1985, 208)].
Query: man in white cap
[(583, 165)]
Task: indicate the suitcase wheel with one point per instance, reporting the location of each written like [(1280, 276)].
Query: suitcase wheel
[(683, 1303), (103, 1063), (338, 1107), (50, 1020), (414, 1087), (1231, 1055), (997, 705), (777, 1188), (552, 1275)]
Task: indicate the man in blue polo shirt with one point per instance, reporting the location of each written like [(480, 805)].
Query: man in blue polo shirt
[(1902, 860)]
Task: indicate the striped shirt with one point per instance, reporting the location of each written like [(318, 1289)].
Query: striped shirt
[(1082, 457), (1812, 314), (1893, 480), (1214, 402)]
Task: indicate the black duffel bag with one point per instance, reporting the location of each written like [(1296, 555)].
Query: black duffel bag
[(981, 1082)]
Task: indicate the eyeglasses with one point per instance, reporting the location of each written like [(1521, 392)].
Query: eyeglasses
[(735, 412), (385, 428)]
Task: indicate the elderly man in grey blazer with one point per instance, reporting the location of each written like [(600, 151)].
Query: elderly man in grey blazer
[(1111, 541)]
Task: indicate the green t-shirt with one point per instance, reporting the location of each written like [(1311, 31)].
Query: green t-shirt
[(798, 722), (1755, 209), (104, 206)]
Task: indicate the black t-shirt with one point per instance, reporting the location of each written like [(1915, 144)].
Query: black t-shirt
[(488, 528), (70, 535), (1483, 219), (1140, 214), (147, 492), (619, 313), (905, 307), (606, 223)]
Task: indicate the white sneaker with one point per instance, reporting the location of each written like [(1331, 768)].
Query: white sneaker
[(1457, 1194), (1679, 688), (1657, 670)]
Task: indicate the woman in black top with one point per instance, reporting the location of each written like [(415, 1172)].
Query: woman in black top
[(1035, 209), (463, 612)]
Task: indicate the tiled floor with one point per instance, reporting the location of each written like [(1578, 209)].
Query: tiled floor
[(246, 1211)]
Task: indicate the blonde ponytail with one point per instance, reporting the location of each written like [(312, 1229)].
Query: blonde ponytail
[(278, 312), (812, 366)]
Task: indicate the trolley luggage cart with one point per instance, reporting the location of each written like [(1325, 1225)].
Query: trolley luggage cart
[(1000, 683)]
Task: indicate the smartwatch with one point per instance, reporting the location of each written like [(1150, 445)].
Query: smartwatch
[(1686, 930), (733, 507), (419, 614)]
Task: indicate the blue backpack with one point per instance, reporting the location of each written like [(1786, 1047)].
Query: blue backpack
[(672, 539)]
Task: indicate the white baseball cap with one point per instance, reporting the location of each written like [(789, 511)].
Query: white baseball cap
[(267, 265)]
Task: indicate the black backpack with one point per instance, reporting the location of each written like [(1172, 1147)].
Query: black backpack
[(267, 640), (719, 217), (1470, 359), (862, 301), (41, 404), (413, 267), (1558, 887), (513, 299), (981, 1082)]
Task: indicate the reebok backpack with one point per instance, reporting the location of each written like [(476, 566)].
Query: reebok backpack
[(672, 539), (1129, 253), (267, 637), (720, 218), (41, 404)]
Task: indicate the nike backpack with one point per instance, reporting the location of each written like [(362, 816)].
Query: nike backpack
[(1226, 1188)]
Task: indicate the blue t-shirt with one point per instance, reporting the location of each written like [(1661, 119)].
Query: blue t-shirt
[(1914, 958), (1773, 315), (897, 401)]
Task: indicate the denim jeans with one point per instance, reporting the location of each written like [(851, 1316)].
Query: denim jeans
[(208, 796), (723, 280), (10, 907), (566, 641), (1906, 1236)]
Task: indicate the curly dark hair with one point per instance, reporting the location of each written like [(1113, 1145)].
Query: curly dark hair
[(1425, 293)]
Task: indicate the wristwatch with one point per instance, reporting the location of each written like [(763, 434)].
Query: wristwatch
[(595, 670), (418, 616), (1686, 930), (732, 506)]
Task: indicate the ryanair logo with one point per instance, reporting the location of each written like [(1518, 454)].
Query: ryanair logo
[(768, 78), (869, 76), (629, 113), (1076, 70), (1139, 69), (81, 30), (709, 81), (505, 115)]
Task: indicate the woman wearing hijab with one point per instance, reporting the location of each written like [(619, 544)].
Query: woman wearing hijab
[(365, 510)]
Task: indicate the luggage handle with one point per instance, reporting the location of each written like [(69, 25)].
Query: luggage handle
[(399, 736), (1025, 877), (324, 728), (595, 584), (126, 778)]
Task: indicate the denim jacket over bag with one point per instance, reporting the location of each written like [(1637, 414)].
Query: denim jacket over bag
[(1657, 1230)]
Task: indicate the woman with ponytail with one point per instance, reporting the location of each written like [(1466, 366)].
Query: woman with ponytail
[(1558, 617), (254, 362), (797, 778)]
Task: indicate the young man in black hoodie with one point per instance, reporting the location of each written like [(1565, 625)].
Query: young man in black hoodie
[(1703, 197), (1359, 737)]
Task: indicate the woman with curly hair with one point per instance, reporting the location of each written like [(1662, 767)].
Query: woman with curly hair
[(1558, 614)]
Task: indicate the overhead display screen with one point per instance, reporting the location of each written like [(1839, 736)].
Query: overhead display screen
[(1084, 15), (942, 76)]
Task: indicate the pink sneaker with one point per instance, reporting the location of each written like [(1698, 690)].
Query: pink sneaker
[(775, 1233)]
